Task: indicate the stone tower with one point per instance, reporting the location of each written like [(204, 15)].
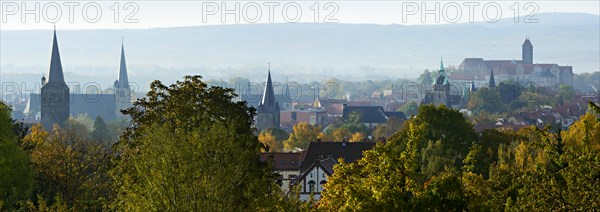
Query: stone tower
[(267, 113), (121, 86), (527, 52), (55, 92), (441, 88)]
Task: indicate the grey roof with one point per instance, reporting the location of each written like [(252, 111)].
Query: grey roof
[(349, 151), (527, 42), (123, 79), (94, 105), (268, 103), (56, 71), (397, 114), (368, 114)]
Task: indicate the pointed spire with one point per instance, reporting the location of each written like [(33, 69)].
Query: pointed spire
[(472, 88), (442, 69), (268, 98), (56, 71), (492, 82), (123, 79)]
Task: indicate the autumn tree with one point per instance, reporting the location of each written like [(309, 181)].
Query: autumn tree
[(302, 134), (69, 166), (191, 148), (341, 134)]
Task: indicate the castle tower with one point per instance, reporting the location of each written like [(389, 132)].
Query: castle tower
[(122, 89), (527, 53), (55, 92), (267, 113)]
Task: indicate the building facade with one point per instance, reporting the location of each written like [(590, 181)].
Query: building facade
[(524, 71)]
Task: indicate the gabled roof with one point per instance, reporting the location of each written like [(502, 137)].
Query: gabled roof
[(325, 164), (283, 160), (471, 62), (349, 151), (371, 114)]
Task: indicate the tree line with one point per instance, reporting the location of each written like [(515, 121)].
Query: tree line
[(191, 147)]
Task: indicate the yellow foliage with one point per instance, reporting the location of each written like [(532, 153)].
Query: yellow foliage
[(587, 129), (357, 137), (268, 139)]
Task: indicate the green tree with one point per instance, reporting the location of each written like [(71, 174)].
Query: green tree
[(390, 176), (100, 132), (410, 108), (565, 94), (191, 148), (16, 176)]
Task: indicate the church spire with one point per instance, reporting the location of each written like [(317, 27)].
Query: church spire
[(492, 82), (268, 98), (123, 79), (56, 71), (442, 69)]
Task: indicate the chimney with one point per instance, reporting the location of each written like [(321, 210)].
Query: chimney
[(318, 140)]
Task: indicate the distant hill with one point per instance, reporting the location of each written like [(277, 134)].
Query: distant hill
[(302, 51)]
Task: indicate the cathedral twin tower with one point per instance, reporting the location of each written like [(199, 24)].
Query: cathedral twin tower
[(56, 96)]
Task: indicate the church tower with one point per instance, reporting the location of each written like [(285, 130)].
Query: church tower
[(492, 82), (121, 86), (441, 88), (527, 52), (267, 113), (55, 92)]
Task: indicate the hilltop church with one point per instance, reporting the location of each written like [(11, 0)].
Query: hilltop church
[(57, 101), (524, 71)]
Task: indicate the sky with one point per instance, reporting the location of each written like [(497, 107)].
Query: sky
[(21, 15)]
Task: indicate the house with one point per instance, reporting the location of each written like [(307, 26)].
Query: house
[(318, 161), (370, 116), (286, 165), (313, 117)]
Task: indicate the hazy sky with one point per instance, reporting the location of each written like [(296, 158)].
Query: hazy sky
[(149, 14)]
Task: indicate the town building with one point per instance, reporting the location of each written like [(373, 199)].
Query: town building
[(54, 92), (318, 161), (267, 112), (524, 71), (57, 101), (370, 116)]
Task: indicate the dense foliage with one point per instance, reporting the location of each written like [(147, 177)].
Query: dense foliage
[(437, 162)]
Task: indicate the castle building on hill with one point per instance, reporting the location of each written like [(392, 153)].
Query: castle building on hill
[(524, 71)]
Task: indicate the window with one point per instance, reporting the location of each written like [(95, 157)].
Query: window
[(294, 116), (311, 186), (292, 179)]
